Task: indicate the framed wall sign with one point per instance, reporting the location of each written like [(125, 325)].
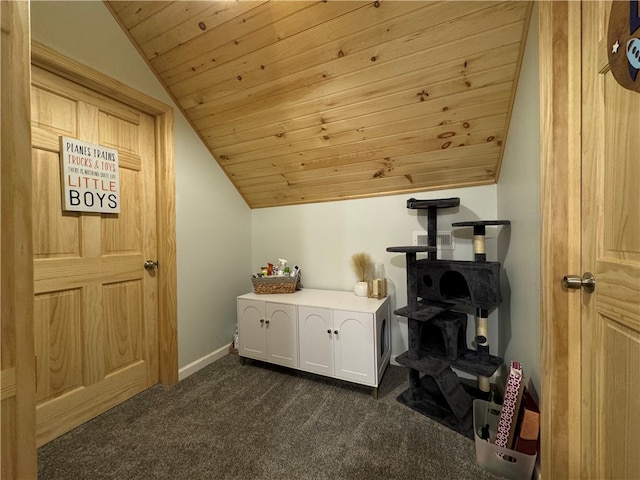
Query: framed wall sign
[(90, 178)]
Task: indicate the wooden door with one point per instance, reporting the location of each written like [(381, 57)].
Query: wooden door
[(17, 366), (611, 250), (95, 306)]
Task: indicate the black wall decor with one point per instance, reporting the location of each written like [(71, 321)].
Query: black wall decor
[(437, 331)]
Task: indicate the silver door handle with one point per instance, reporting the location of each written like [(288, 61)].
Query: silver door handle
[(587, 282), (150, 265)]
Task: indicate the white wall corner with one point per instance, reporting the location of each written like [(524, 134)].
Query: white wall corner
[(202, 362)]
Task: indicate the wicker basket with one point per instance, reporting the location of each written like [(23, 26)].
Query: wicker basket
[(274, 284)]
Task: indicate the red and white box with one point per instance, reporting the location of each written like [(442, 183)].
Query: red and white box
[(510, 407)]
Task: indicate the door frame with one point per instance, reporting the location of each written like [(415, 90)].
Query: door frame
[(560, 168), (17, 365), (56, 63)]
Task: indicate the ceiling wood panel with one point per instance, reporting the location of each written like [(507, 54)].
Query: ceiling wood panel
[(337, 122), (264, 60), (132, 13), (351, 132), (314, 101), (331, 77)]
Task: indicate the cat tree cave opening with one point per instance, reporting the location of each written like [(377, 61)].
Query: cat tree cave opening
[(453, 285), (443, 336)]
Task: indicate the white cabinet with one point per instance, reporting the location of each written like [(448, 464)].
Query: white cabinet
[(337, 343), (315, 339), (334, 333), (268, 331), (354, 346)]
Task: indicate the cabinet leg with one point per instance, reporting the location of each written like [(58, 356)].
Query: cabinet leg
[(375, 393), (241, 360)]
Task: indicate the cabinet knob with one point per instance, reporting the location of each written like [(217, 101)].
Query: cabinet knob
[(329, 331), (335, 331), (267, 322), (262, 320)]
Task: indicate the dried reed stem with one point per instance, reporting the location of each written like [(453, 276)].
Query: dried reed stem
[(361, 263)]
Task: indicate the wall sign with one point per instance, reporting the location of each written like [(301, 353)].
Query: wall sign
[(90, 178), (623, 43)]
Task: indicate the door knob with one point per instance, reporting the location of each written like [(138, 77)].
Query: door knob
[(150, 265), (587, 282)]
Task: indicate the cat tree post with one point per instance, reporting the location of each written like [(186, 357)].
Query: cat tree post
[(480, 255)]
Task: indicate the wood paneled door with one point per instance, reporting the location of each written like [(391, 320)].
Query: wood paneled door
[(96, 307), (611, 251), (591, 223), (17, 366)]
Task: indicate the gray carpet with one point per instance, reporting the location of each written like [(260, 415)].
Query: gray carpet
[(257, 421)]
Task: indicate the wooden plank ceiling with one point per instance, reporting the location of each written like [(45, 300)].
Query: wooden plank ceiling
[(311, 101)]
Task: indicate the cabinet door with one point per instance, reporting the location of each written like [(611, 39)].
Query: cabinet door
[(354, 347), (252, 329), (282, 332), (315, 327)]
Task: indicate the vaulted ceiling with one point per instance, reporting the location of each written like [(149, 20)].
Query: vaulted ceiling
[(311, 101)]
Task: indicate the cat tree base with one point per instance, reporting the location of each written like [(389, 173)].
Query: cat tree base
[(426, 398)]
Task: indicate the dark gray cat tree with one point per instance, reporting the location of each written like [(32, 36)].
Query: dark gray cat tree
[(437, 332)]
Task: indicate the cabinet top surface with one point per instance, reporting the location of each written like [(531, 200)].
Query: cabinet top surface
[(334, 299)]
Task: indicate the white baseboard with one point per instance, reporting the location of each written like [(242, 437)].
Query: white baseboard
[(202, 362)]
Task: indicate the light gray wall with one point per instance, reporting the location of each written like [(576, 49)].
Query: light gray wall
[(321, 238), (519, 201), (213, 222)]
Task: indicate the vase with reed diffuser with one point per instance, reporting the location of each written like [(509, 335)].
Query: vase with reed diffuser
[(361, 263), (379, 282)]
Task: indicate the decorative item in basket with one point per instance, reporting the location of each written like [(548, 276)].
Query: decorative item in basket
[(277, 279), (274, 284)]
